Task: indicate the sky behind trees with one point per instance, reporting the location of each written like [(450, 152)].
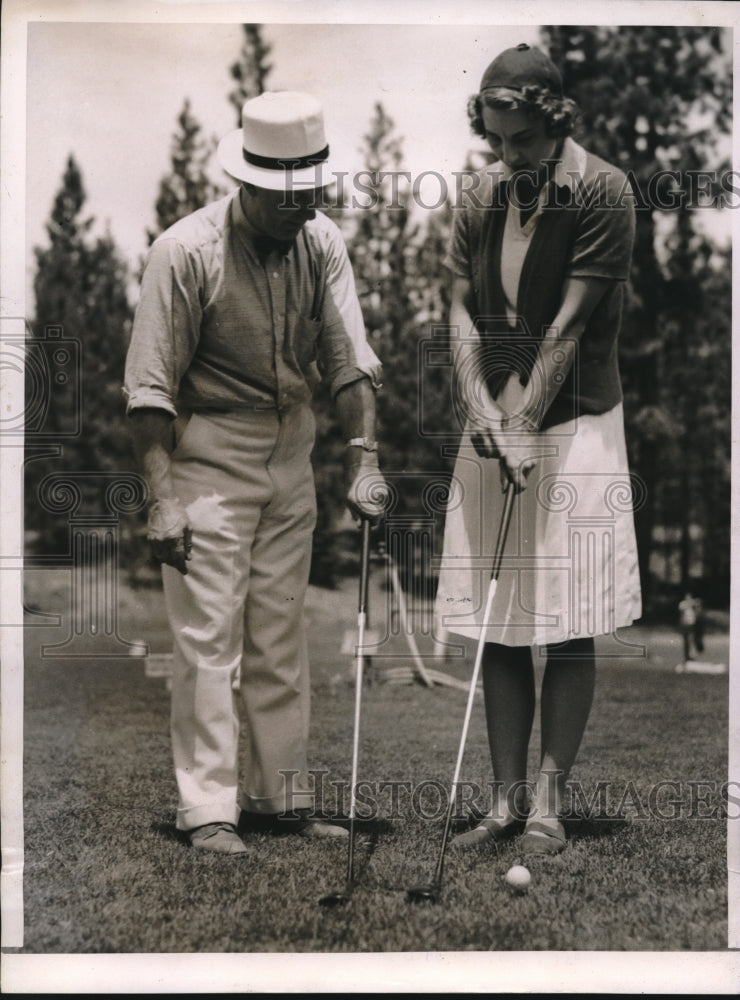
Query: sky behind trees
[(110, 94)]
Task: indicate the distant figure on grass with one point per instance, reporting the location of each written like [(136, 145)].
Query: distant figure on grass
[(539, 254), (691, 615), (244, 306)]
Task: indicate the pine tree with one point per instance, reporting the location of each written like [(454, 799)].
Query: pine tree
[(251, 70), (81, 293), (381, 248), (652, 99), (188, 186), (401, 286), (375, 246), (696, 390)]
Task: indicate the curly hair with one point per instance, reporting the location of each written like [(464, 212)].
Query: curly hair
[(560, 113)]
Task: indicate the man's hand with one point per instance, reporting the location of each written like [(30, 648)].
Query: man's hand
[(367, 493), (169, 533), (168, 529)]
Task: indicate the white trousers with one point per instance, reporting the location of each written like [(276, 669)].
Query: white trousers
[(240, 684)]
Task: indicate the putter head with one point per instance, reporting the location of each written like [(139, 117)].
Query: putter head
[(428, 893), (332, 899)]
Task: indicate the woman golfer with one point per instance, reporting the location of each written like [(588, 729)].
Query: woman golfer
[(539, 253)]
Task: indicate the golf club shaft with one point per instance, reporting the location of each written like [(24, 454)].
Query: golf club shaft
[(503, 531), (495, 568), (359, 664)]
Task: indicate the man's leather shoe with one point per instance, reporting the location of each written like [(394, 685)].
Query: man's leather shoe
[(220, 838)]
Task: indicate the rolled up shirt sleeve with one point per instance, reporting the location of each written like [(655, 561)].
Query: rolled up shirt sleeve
[(166, 328), (344, 354)]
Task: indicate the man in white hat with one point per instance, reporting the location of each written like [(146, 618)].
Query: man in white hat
[(245, 305)]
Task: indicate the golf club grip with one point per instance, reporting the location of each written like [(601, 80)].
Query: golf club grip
[(498, 552), (364, 564)]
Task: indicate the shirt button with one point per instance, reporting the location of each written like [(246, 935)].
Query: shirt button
[(275, 274)]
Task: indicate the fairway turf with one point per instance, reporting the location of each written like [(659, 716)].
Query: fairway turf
[(105, 870)]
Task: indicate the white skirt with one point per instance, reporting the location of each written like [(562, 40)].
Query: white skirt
[(570, 563)]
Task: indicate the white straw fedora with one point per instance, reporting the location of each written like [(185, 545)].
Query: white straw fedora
[(281, 144)]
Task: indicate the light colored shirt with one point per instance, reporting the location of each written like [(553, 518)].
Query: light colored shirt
[(217, 328), (517, 237), (514, 249), (688, 611), (583, 227)]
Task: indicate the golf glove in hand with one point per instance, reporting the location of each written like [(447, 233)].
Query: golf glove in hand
[(368, 492), (169, 533)]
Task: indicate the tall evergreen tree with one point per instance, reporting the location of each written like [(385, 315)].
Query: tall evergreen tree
[(402, 290), (381, 250), (80, 292), (189, 184), (696, 390), (251, 70), (656, 99)]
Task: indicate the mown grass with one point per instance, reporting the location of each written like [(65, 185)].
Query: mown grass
[(106, 872)]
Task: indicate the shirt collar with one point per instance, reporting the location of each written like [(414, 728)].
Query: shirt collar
[(250, 236), (571, 167), (242, 225), (567, 172)]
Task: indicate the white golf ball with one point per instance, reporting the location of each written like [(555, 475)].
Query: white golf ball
[(518, 877)]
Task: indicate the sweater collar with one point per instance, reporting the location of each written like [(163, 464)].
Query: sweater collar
[(568, 170)]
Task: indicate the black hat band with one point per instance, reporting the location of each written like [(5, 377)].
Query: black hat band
[(284, 162)]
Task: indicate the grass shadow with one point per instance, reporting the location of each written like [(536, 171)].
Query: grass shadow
[(372, 826), (594, 827), (168, 831), (365, 855), (281, 825)]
